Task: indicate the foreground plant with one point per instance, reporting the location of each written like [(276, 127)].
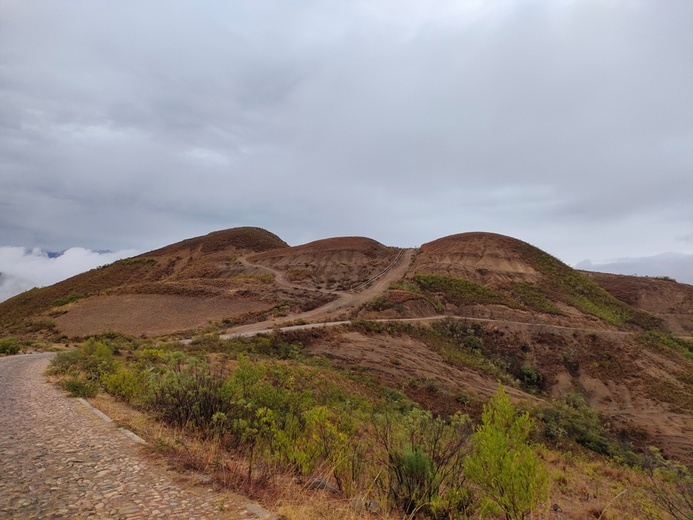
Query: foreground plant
[(502, 464)]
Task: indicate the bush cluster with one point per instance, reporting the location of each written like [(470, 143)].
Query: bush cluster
[(9, 346), (280, 414), (571, 419)]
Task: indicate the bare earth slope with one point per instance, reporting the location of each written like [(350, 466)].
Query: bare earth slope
[(671, 301), (333, 263), (484, 257)]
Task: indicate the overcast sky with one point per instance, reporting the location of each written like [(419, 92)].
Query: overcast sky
[(128, 125)]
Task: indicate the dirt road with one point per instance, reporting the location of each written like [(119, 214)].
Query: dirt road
[(345, 302)]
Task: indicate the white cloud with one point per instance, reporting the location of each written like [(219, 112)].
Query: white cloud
[(22, 269)]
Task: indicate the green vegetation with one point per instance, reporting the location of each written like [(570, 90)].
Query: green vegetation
[(9, 346), (64, 300), (668, 343), (259, 398), (458, 291), (502, 464), (425, 462), (459, 343), (676, 498), (380, 303), (405, 285), (133, 261), (532, 297), (572, 420), (585, 294), (80, 387)]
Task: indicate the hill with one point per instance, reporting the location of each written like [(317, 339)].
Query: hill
[(334, 263), (181, 286), (661, 297), (469, 310)]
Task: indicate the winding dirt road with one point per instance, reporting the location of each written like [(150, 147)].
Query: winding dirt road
[(331, 312)]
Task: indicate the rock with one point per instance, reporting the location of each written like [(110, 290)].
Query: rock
[(324, 484), (361, 504), (557, 508), (200, 479), (260, 512)]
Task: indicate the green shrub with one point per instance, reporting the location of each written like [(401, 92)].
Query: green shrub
[(96, 358), (189, 397), (126, 384), (80, 387), (458, 291), (425, 462), (380, 303), (531, 378), (671, 484), (93, 358), (64, 300), (9, 346), (667, 342), (65, 362), (502, 464), (531, 296), (572, 419)]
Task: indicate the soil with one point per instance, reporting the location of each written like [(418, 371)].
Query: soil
[(151, 314), (482, 257)]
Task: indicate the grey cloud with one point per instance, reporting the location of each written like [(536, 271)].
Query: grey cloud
[(130, 124)]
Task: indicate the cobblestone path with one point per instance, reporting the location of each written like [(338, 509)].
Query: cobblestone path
[(58, 460)]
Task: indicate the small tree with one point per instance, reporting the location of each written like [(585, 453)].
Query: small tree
[(502, 464), (671, 484), (425, 457)]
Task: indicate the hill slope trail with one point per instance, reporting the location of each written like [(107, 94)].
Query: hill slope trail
[(344, 303)]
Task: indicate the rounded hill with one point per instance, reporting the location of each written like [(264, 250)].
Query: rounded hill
[(484, 257), (366, 246), (486, 268), (340, 262), (251, 239)]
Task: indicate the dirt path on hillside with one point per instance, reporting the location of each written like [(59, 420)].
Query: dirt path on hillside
[(336, 310), (251, 331), (59, 460), (279, 276)]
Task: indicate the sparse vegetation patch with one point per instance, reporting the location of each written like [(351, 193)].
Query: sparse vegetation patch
[(458, 291)]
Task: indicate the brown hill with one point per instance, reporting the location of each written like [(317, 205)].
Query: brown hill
[(483, 272), (484, 257), (203, 273), (237, 239), (662, 297), (334, 263)]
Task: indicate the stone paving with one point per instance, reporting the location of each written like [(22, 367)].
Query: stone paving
[(59, 460)]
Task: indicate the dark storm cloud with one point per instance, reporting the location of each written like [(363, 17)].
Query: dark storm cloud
[(564, 123)]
